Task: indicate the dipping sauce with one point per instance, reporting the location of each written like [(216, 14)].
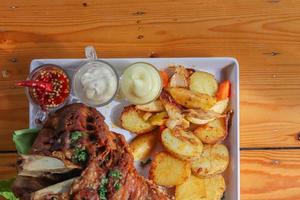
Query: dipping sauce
[(95, 83), (141, 83), (57, 79)]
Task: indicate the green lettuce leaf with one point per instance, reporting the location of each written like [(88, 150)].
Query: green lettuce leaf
[(5, 189), (24, 139)]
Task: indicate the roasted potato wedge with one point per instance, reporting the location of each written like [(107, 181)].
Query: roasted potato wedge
[(132, 120), (204, 83), (154, 106), (213, 160), (182, 144), (220, 106), (213, 131), (191, 99), (142, 145), (201, 188), (192, 189), (169, 171), (159, 119), (215, 187)]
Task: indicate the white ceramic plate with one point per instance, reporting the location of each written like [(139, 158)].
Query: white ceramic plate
[(222, 68)]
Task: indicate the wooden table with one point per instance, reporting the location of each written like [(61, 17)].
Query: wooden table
[(264, 35)]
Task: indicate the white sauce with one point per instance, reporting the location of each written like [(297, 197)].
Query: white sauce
[(99, 83)]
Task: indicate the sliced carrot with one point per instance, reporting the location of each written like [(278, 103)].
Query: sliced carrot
[(223, 91), (164, 77)]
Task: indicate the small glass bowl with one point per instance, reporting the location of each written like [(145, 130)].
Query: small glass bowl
[(159, 91), (33, 75), (78, 88)]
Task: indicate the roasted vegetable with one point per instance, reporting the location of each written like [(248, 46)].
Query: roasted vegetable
[(201, 188), (223, 91), (159, 119), (154, 106), (213, 160), (142, 145), (182, 144), (204, 83), (220, 106), (192, 99), (164, 77), (169, 171), (180, 77), (215, 187), (176, 118), (199, 116), (178, 80), (213, 131), (192, 189), (132, 120)]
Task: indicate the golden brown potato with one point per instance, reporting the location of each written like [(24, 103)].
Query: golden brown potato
[(192, 189), (220, 106), (154, 106), (142, 145), (191, 99), (159, 119), (213, 160), (213, 131), (169, 171), (132, 120), (201, 188), (215, 187), (182, 144), (204, 83)]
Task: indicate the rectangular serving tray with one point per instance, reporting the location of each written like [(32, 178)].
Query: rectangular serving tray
[(224, 68)]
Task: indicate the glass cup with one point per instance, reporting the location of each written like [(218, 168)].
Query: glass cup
[(43, 110), (141, 83), (100, 76)]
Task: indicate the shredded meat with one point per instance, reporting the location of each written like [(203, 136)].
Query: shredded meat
[(107, 164)]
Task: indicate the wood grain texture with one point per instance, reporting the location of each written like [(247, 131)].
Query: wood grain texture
[(7, 165), (262, 35), (270, 175)]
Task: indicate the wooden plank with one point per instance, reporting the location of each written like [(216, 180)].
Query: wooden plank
[(265, 43), (8, 165), (272, 175)]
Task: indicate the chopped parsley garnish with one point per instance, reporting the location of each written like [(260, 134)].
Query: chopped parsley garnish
[(117, 185), (115, 174), (80, 155), (102, 191), (75, 136)]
